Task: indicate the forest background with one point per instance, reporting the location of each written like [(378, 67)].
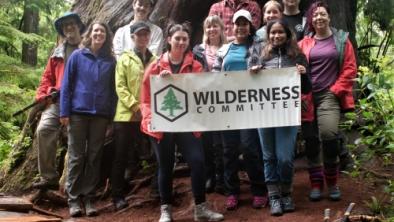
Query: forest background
[(27, 37)]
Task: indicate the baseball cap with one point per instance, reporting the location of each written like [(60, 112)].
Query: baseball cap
[(138, 26), (242, 13)]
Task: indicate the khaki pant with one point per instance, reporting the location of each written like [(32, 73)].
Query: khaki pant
[(47, 137), (86, 135), (324, 129)]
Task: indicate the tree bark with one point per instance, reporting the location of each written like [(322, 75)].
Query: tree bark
[(119, 13), (30, 25)]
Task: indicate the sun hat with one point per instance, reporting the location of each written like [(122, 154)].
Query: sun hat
[(60, 20)]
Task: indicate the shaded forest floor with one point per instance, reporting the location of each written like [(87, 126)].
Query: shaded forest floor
[(353, 190)]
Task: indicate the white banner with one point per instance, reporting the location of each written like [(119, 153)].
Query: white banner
[(225, 100)]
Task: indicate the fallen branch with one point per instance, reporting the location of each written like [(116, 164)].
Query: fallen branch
[(133, 205), (327, 215), (377, 174), (364, 218), (347, 212), (140, 182), (50, 195), (110, 205), (45, 212)]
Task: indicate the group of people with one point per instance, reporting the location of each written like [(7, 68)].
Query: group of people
[(104, 80)]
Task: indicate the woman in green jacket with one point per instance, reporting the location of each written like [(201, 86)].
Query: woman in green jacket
[(129, 73)]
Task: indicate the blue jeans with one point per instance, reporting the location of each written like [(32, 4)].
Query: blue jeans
[(193, 152), (247, 141), (278, 153)]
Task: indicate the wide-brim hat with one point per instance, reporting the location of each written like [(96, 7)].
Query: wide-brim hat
[(242, 13), (59, 21)]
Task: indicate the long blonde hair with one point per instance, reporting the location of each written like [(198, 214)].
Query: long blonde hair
[(210, 20)]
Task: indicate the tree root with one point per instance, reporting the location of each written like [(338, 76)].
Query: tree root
[(45, 212), (50, 195), (377, 174), (135, 204)]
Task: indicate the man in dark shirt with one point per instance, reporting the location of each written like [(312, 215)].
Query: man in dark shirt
[(293, 16)]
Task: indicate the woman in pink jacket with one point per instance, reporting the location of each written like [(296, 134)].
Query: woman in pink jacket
[(178, 60), (333, 66)]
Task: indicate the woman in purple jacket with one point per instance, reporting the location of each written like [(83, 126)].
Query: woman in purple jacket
[(87, 104)]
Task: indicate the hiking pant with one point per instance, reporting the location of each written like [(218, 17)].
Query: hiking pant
[(48, 131), (324, 129), (86, 135), (192, 150)]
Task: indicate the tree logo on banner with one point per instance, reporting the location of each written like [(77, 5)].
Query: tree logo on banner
[(170, 103)]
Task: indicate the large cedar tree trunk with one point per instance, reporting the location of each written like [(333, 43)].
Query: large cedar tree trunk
[(119, 12)]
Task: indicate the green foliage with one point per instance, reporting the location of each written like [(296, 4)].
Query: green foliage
[(18, 82), (11, 19), (17, 89), (374, 205), (375, 108), (375, 25)]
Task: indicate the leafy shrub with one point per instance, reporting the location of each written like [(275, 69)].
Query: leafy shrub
[(374, 114)]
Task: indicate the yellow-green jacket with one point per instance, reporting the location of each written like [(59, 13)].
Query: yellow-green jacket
[(128, 78)]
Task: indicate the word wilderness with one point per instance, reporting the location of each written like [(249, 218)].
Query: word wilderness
[(226, 100)]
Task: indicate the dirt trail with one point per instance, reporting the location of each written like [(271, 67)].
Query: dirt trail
[(306, 211)]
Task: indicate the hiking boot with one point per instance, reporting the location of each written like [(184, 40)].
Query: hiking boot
[(120, 203), (90, 211), (334, 193), (165, 213), (232, 202), (287, 204), (75, 209), (276, 206), (259, 202), (45, 184), (315, 194), (203, 213)]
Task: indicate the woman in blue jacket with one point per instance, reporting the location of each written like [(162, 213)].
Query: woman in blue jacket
[(87, 104)]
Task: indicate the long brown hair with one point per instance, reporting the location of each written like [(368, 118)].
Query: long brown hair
[(290, 46), (106, 49)]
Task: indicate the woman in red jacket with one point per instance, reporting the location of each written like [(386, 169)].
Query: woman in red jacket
[(178, 60), (333, 66)]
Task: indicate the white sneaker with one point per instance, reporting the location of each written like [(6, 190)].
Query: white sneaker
[(203, 213), (165, 210)]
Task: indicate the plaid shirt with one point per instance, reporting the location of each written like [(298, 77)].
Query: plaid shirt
[(225, 9)]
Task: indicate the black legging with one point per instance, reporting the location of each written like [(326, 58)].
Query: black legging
[(192, 150)]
